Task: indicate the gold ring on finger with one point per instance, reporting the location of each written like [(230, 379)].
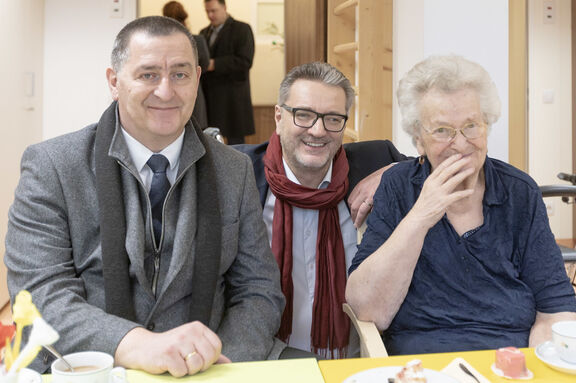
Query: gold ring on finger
[(190, 355)]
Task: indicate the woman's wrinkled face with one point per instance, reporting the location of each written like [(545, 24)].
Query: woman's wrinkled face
[(441, 112)]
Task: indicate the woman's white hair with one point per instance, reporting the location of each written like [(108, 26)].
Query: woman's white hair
[(447, 74)]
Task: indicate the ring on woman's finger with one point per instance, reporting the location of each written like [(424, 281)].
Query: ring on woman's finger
[(190, 355), (367, 203)]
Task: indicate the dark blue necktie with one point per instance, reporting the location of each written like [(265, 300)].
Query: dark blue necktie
[(158, 190)]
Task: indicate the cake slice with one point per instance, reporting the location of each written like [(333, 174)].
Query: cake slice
[(511, 362), (411, 373)]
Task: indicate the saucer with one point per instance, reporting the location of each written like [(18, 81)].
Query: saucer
[(529, 375), (546, 352)]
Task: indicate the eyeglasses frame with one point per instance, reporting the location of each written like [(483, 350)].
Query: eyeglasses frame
[(453, 136), (318, 115)]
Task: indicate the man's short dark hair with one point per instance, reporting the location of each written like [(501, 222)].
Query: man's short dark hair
[(223, 2), (152, 26)]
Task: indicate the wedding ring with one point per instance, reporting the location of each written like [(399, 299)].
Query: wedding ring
[(190, 355), (367, 203)]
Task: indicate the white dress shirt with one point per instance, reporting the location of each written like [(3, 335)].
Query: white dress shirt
[(304, 233), (140, 154)]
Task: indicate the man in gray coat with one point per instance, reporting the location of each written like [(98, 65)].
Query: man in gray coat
[(166, 269)]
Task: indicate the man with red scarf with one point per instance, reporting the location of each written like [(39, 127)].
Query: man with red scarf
[(304, 176)]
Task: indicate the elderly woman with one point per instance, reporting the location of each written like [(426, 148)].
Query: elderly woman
[(458, 253)]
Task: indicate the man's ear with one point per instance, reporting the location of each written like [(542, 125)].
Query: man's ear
[(112, 83), (278, 118)]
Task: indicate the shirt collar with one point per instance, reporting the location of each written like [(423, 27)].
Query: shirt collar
[(140, 154), (323, 185)]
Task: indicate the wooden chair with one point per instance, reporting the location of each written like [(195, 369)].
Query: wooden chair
[(371, 345)]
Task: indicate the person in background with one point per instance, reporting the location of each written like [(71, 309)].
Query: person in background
[(227, 80), (304, 174), (176, 10), (139, 235), (458, 254)]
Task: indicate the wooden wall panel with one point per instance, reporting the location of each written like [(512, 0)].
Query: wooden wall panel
[(518, 84), (375, 80), (264, 121), (305, 31), (360, 42), (341, 31), (573, 44)]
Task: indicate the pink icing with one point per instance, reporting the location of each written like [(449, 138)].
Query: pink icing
[(511, 362)]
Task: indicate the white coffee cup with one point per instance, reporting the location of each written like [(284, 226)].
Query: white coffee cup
[(564, 339), (89, 367)]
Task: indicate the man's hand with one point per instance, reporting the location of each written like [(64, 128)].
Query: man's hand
[(184, 350), (211, 66), (361, 198)]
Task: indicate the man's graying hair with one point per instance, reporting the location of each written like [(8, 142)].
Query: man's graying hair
[(152, 26), (316, 71)]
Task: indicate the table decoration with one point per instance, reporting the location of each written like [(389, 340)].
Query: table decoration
[(15, 358)]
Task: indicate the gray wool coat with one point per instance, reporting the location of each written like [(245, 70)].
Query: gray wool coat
[(53, 249)]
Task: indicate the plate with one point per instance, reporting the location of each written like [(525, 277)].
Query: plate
[(381, 375), (499, 372), (546, 352), (27, 375)]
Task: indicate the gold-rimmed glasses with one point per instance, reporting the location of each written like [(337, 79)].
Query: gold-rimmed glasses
[(445, 133)]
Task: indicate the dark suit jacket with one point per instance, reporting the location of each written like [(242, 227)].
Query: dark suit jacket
[(363, 157), (227, 88)]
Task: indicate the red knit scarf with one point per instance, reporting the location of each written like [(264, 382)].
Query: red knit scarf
[(330, 326)]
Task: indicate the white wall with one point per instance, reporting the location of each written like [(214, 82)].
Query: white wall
[(78, 37), (550, 124), (20, 100), (477, 30)]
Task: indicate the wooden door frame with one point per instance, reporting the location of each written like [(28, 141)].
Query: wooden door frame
[(573, 47), (304, 31), (518, 84)]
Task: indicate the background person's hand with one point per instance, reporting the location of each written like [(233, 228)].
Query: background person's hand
[(184, 350)]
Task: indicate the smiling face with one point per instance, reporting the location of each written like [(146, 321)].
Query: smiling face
[(309, 152), (156, 88), (456, 109)]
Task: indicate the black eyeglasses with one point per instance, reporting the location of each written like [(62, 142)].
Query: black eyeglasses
[(306, 118)]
